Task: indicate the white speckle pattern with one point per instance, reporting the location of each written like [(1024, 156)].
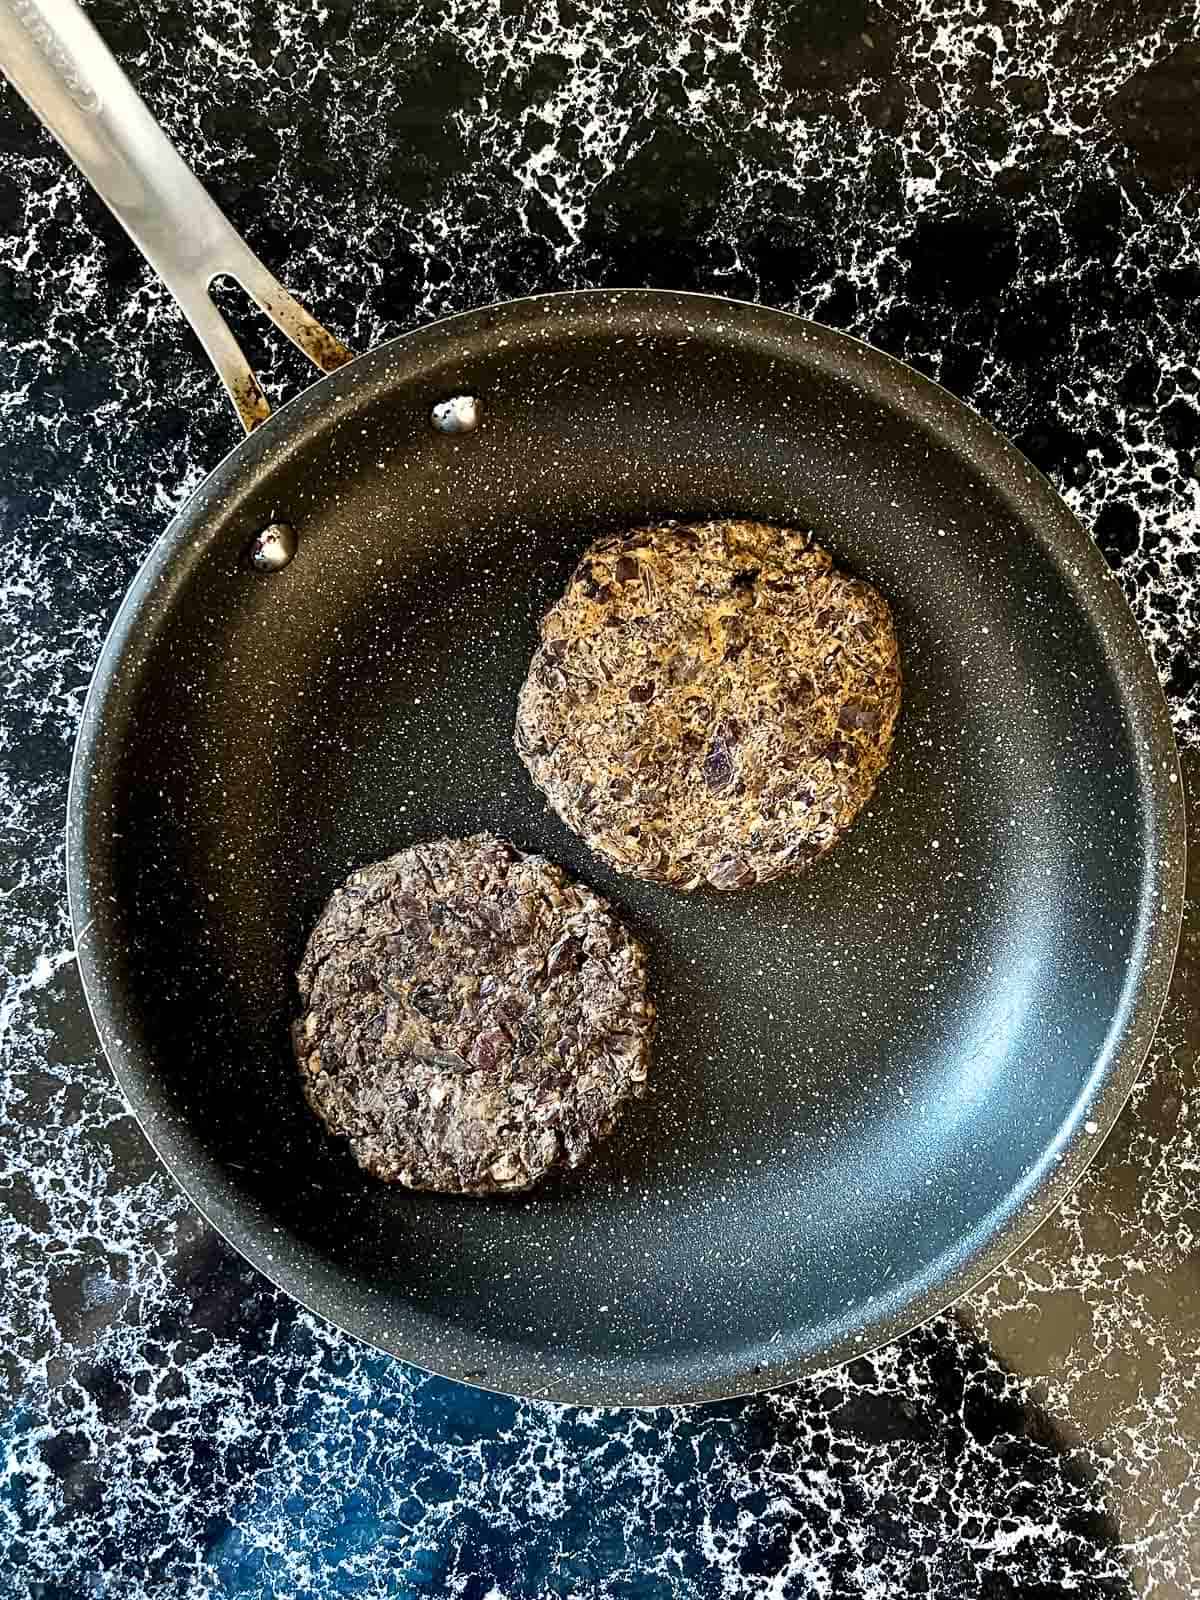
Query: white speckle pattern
[(1003, 194)]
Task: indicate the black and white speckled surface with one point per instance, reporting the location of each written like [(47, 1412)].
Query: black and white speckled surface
[(1004, 195)]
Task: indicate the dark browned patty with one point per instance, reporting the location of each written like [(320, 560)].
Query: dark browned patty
[(472, 1018), (711, 702)]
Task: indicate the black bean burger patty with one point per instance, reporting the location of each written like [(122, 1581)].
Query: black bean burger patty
[(711, 703), (472, 1019)]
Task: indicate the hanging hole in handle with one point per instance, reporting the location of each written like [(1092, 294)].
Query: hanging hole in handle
[(281, 367)]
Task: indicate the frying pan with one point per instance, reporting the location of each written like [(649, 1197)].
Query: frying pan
[(871, 1081)]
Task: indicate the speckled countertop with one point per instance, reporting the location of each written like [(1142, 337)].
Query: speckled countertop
[(1007, 195)]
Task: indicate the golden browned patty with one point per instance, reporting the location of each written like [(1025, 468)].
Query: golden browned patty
[(711, 702)]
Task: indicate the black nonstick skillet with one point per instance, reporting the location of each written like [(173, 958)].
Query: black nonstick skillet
[(871, 1081)]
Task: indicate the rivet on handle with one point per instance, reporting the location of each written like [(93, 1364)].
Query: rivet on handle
[(461, 414), (274, 548)]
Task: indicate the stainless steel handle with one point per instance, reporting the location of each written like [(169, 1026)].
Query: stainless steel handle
[(60, 65)]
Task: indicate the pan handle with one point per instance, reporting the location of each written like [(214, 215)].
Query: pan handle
[(60, 65)]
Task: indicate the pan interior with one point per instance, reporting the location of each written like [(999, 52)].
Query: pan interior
[(860, 1073)]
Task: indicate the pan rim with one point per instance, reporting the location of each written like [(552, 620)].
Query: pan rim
[(1070, 1149)]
